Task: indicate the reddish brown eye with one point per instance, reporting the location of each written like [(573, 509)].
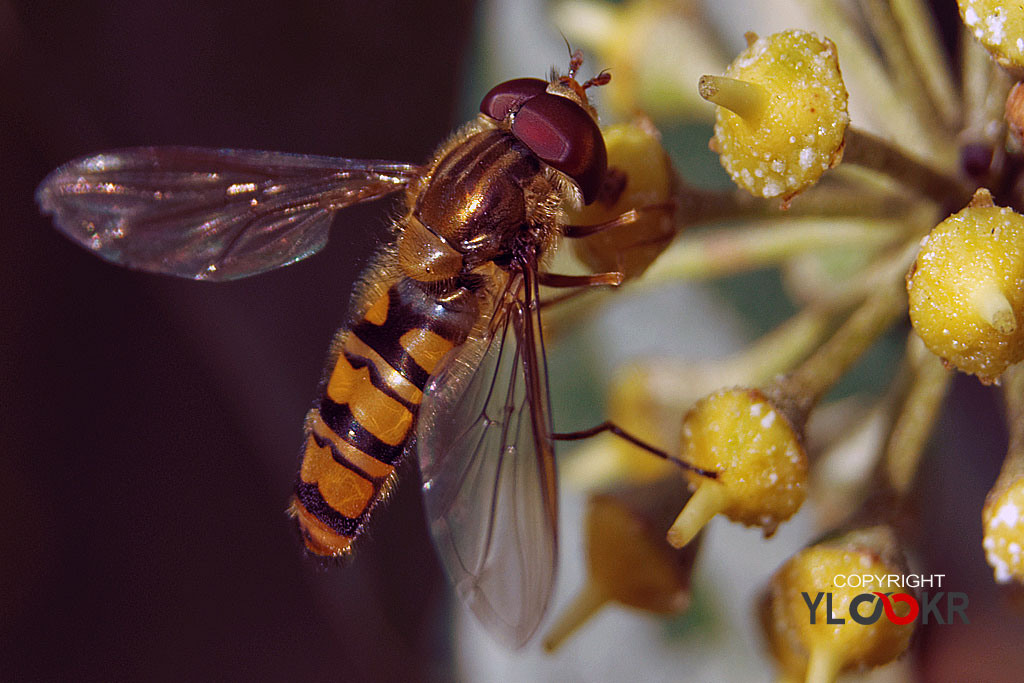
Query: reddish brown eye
[(564, 136), (508, 96)]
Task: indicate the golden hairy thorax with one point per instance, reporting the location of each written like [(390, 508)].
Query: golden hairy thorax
[(480, 192)]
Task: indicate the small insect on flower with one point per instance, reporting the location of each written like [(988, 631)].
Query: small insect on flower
[(443, 344)]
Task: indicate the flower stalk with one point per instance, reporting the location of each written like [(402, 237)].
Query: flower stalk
[(924, 44), (799, 391), (873, 152), (916, 415)]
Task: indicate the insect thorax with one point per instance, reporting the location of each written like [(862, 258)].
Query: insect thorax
[(485, 194)]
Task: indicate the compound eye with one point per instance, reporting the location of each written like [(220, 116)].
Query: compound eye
[(508, 96), (566, 138)]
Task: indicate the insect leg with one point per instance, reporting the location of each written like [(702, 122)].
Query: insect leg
[(580, 284), (565, 281), (627, 218), (608, 426)]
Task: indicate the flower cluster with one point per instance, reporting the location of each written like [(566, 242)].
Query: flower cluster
[(885, 189)]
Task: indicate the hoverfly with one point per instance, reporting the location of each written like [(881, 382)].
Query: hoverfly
[(443, 343)]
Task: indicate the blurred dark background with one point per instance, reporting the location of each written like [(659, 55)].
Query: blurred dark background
[(151, 427)]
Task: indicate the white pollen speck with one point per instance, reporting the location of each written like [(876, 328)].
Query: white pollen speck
[(768, 420), (996, 27), (806, 157), (755, 409), (1009, 514), (1002, 569)]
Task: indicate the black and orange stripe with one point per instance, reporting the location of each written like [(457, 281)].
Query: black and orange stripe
[(358, 432), (472, 208)]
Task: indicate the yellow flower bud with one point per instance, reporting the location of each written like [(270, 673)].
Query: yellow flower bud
[(637, 160), (628, 560), (828, 648), (783, 115), (966, 289), (999, 26), (761, 463)]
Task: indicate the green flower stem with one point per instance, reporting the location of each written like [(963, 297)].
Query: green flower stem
[(674, 386), (844, 194), (849, 190), (724, 251), (984, 86), (920, 408), (881, 273), (925, 45), (778, 350), (867, 150), (898, 59), (798, 392), (850, 454)]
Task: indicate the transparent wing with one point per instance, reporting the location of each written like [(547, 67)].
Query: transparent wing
[(488, 471), (209, 214)]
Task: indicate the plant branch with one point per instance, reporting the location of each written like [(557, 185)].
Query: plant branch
[(922, 39), (873, 152)]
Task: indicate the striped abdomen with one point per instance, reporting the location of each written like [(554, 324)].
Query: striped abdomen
[(359, 430)]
